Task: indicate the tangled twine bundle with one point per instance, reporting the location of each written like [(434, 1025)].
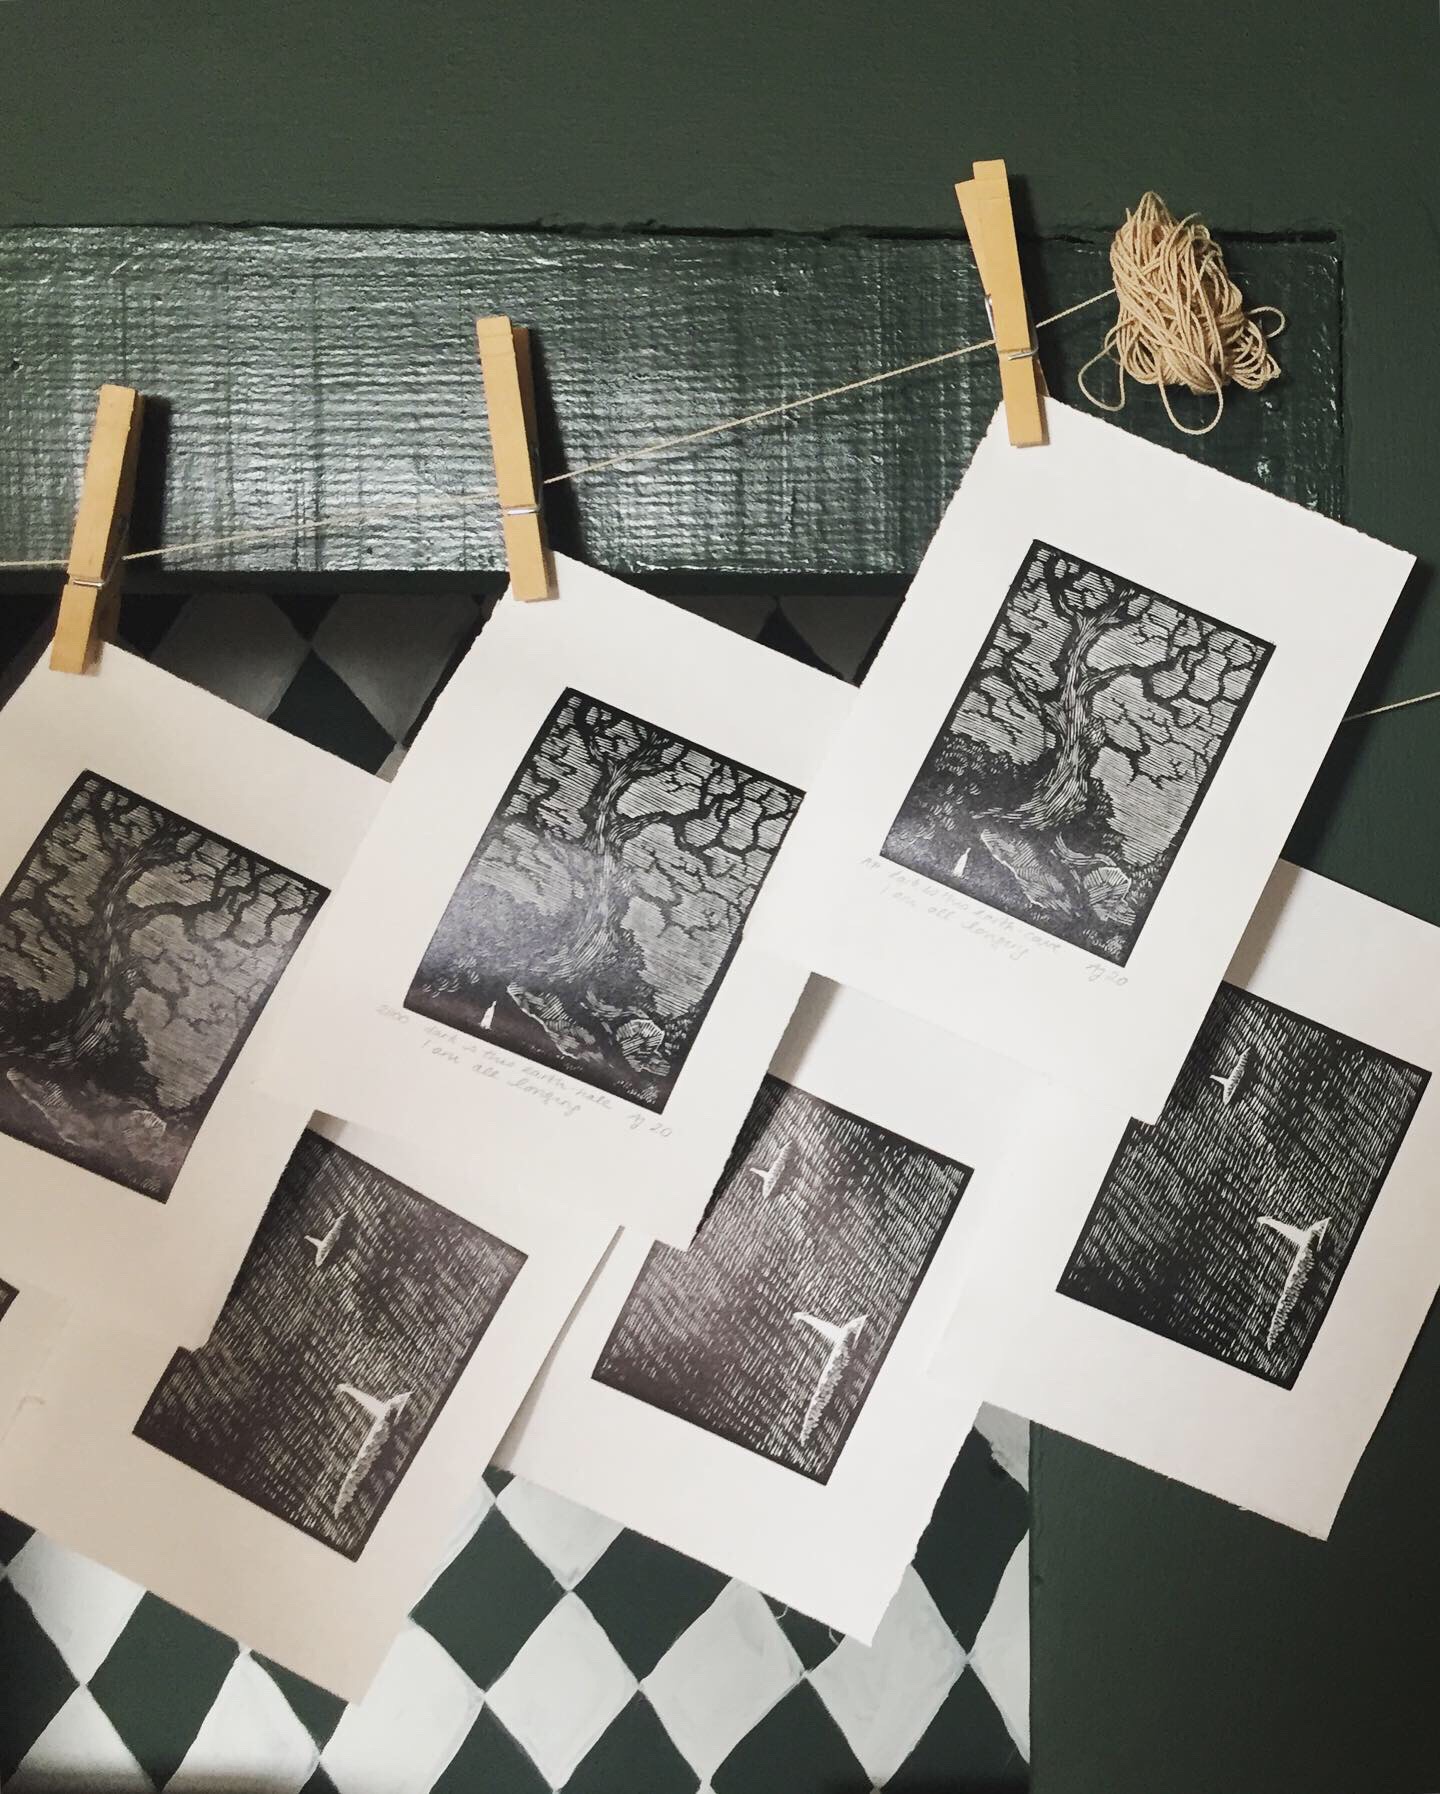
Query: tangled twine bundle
[(1182, 318)]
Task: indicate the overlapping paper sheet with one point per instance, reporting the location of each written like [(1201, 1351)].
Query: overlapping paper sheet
[(1075, 760), (760, 1401), (295, 1483), (539, 954), (30, 1324), (1234, 1290), (163, 858)]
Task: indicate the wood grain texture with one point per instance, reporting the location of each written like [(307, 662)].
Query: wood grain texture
[(299, 373)]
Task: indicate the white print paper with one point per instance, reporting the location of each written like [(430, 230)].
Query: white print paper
[(30, 1323), (760, 1401), (539, 955), (294, 1482), (163, 860), (1075, 760), (1234, 1291)]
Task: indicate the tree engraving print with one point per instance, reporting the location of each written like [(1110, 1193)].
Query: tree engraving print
[(604, 902), (137, 951), (1074, 759), (771, 1328), (354, 1314), (1227, 1225)]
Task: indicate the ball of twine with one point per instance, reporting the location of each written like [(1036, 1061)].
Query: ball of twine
[(1182, 318)]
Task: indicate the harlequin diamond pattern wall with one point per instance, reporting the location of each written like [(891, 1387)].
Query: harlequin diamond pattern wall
[(554, 1650)]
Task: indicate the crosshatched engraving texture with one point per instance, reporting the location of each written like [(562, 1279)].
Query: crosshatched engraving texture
[(771, 1328), (355, 1312), (1065, 777), (137, 950), (604, 902), (1227, 1225)]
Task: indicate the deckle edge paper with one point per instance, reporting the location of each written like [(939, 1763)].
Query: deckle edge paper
[(164, 862), (1076, 757), (293, 1482), (543, 949), (1233, 1291)]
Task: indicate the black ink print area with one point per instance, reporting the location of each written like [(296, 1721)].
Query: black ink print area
[(1068, 771), (136, 953), (7, 1296), (1226, 1226), (604, 902), (356, 1310), (771, 1329)]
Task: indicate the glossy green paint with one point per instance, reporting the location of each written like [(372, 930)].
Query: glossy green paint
[(1179, 1647)]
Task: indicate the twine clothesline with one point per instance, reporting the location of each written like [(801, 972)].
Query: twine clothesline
[(442, 501), (648, 451)]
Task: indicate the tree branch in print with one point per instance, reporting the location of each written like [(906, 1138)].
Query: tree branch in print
[(354, 1315), (605, 900), (1227, 1225), (1067, 772), (771, 1329), (136, 952)]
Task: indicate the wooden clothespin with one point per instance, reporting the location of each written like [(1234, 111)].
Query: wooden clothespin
[(510, 401), (985, 205), (91, 599)]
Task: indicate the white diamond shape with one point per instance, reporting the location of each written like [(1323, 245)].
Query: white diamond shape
[(566, 1537), (884, 1695), (1001, 1653), (250, 1736), (400, 1738), (80, 1749), (721, 1677), (391, 651), (240, 646), (83, 1606), (1008, 1437), (563, 1689)]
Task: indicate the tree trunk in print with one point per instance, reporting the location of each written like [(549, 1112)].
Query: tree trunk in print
[(603, 845), (603, 900), (1062, 793)]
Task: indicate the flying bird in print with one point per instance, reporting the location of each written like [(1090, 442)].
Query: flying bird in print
[(384, 1417), (841, 1339), (779, 1168), (1307, 1242), (1233, 1080), (326, 1242)]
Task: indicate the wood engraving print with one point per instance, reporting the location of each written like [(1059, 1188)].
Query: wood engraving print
[(1074, 759), (1227, 1225), (771, 1328), (137, 950), (354, 1314), (605, 900)]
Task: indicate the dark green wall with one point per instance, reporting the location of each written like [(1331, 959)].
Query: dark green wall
[(1178, 1646)]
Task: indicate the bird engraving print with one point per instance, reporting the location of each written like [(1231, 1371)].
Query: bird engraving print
[(1070, 767), (771, 1329), (354, 1314), (137, 951), (1227, 1225), (604, 901)]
